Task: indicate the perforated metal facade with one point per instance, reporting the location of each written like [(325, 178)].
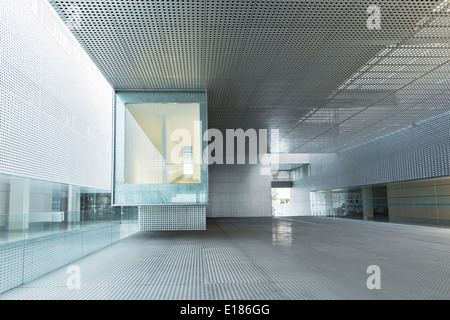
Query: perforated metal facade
[(416, 152), (316, 70), (166, 218), (11, 266), (55, 106), (239, 191)]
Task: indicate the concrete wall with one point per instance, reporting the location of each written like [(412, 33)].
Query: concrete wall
[(238, 190)]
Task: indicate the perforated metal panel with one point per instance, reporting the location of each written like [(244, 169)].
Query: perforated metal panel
[(166, 218), (416, 152), (313, 69), (11, 266), (55, 106), (239, 191), (42, 256)]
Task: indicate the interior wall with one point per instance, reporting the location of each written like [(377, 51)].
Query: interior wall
[(420, 202), (299, 203), (174, 169), (238, 190), (143, 162)]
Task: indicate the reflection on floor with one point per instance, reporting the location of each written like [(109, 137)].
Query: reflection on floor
[(289, 258), (186, 178)]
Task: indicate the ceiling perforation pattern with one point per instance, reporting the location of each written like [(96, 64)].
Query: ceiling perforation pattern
[(312, 69)]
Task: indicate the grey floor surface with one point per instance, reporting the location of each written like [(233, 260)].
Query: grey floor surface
[(261, 258)]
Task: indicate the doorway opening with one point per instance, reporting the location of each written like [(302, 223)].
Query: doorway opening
[(280, 201)]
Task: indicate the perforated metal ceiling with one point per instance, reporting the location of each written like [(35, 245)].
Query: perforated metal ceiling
[(313, 69)]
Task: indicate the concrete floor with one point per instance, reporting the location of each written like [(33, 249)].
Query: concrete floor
[(289, 258)]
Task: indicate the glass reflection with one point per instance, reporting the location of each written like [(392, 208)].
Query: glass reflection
[(31, 208)]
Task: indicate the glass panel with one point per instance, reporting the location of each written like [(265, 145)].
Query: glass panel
[(159, 148), (32, 208)]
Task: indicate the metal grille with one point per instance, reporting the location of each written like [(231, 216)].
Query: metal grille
[(55, 106), (166, 218), (312, 69), (30, 259)]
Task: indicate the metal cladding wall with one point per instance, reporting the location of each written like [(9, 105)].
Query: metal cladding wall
[(169, 218), (419, 151), (238, 190), (55, 106), (416, 152)]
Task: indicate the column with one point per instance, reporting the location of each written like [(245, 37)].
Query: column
[(19, 204), (73, 205), (4, 204), (367, 200), (164, 151), (329, 202)]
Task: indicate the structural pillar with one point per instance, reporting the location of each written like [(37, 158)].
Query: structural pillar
[(329, 203), (73, 204), (164, 151), (367, 200), (19, 204)]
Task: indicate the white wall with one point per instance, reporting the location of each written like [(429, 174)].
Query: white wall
[(299, 204), (55, 106), (143, 162), (174, 170)]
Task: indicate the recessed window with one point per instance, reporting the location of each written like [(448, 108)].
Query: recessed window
[(162, 143)]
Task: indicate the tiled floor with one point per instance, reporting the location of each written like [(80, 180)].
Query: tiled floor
[(261, 258)]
